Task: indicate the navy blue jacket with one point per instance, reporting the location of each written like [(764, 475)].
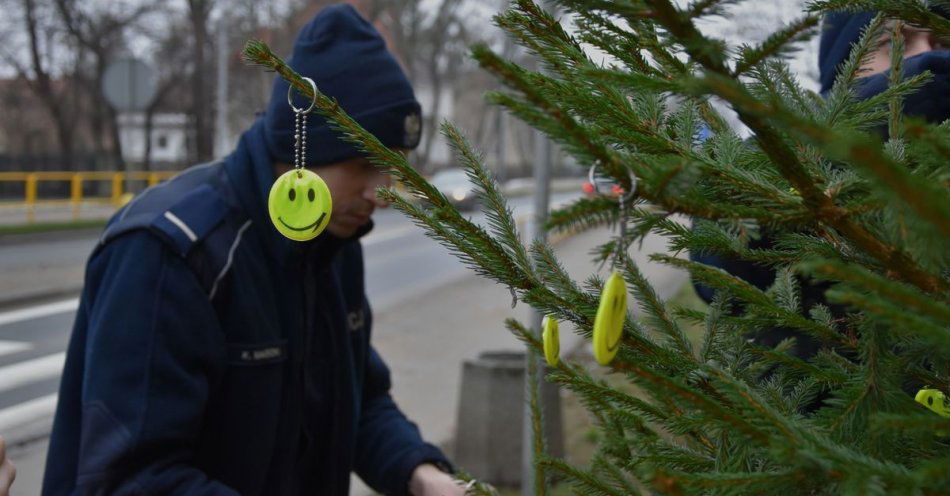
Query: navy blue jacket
[(210, 355), (762, 277)]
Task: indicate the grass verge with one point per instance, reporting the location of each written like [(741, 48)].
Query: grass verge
[(44, 227)]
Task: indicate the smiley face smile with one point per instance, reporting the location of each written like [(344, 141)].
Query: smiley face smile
[(314, 225), (297, 197)]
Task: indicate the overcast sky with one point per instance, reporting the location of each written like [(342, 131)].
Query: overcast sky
[(749, 21), (753, 20)]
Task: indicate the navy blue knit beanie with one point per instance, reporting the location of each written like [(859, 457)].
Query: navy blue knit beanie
[(839, 32), (347, 58)]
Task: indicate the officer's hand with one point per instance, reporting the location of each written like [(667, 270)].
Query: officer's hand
[(428, 480), (7, 470)]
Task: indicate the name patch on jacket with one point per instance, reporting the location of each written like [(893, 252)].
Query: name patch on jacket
[(257, 354)]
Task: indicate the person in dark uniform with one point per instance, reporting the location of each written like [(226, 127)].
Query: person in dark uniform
[(923, 51), (211, 355)]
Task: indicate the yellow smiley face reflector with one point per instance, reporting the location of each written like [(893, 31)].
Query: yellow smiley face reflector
[(934, 400), (608, 324), (299, 204), (552, 344)]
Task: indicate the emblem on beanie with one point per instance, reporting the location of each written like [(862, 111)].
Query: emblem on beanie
[(413, 126)]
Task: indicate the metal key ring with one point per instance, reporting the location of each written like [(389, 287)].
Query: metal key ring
[(290, 99), (633, 188), (626, 197)]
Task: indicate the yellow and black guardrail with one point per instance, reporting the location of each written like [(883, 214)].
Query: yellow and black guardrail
[(118, 191)]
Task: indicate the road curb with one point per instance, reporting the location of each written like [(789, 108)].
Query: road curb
[(552, 238), (53, 235), (561, 236)]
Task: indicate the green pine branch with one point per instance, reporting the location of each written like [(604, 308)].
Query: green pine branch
[(776, 45), (912, 11), (730, 416)]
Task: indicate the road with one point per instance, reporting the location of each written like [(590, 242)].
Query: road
[(401, 263)]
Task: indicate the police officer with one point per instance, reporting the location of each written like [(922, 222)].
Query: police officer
[(211, 355), (923, 51)]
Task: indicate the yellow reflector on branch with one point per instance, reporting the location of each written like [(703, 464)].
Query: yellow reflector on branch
[(608, 325)]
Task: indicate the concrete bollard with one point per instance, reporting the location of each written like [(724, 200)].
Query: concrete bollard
[(488, 432)]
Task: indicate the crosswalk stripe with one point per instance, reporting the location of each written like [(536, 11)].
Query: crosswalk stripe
[(37, 311), (10, 347), (22, 413), (27, 371)]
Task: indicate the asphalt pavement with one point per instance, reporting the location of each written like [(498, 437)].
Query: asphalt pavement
[(431, 313)]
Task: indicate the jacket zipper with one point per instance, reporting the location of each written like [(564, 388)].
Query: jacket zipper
[(308, 296)]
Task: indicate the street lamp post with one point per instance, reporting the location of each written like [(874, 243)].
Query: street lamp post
[(222, 144), (533, 370)]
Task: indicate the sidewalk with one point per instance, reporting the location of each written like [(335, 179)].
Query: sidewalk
[(425, 339)]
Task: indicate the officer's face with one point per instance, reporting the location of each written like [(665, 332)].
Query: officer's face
[(916, 42), (353, 186)]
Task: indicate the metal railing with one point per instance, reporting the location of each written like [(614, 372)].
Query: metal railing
[(118, 190)]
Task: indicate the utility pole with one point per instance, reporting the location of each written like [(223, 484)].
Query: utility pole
[(222, 142), (542, 197), (501, 121), (501, 145)]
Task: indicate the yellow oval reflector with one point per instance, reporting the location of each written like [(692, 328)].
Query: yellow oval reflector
[(552, 344), (608, 324)]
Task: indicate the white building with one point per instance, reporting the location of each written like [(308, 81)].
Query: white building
[(169, 138)]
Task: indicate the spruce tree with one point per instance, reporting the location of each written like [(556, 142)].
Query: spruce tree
[(862, 213)]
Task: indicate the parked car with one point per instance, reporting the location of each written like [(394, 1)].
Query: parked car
[(455, 185)]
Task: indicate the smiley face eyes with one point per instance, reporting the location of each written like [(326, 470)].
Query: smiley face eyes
[(292, 194)]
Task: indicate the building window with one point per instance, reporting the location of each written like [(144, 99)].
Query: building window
[(161, 141)]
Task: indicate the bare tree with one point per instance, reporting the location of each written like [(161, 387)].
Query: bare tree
[(57, 97), (198, 14), (278, 24), (431, 41), (102, 31), (447, 40), (402, 21)]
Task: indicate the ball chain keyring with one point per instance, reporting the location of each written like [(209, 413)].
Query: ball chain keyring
[(612, 310), (299, 202), (300, 124)]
